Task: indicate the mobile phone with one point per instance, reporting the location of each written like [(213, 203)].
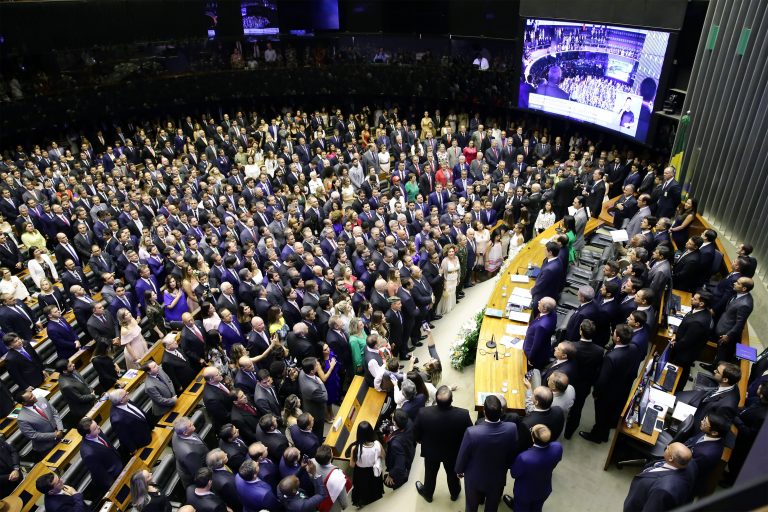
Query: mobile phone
[(304, 459), (528, 374), (66, 441)]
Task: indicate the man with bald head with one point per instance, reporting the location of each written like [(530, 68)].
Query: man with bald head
[(217, 397), (537, 345), (193, 342), (663, 485)]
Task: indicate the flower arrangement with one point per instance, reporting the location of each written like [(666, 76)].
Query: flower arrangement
[(464, 348)]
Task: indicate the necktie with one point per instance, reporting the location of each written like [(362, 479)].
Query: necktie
[(197, 333), (102, 441), (21, 311), (25, 353), (40, 412)]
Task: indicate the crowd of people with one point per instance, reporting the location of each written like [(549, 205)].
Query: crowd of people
[(296, 251), (595, 91)]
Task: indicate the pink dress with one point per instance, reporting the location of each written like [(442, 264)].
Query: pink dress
[(132, 338)]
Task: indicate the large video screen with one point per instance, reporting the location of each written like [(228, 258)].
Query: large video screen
[(259, 17), (601, 74)]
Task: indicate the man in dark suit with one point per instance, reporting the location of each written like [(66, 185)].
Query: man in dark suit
[(23, 363), (244, 417), (686, 270), (691, 336), (15, 316), (625, 208), (724, 399), (532, 471), (549, 283), (193, 342), (669, 198), (217, 397), (265, 397), (128, 422), (76, 391), (177, 366), (299, 345), (272, 438), (707, 447), (440, 430), (98, 455), (617, 373), (59, 497), (731, 323), (595, 194), (609, 312), (10, 468), (188, 449), (543, 414), (233, 445), (588, 358), (663, 485), (396, 324), (63, 336), (10, 255), (537, 345), (103, 327), (223, 479), (485, 454), (587, 310), (302, 436), (200, 495), (564, 362)]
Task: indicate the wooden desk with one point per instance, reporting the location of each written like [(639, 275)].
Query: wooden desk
[(61, 454), (27, 491), (361, 403), (183, 407), (8, 425), (118, 497), (155, 354), (100, 411), (490, 374), (161, 438), (634, 433)]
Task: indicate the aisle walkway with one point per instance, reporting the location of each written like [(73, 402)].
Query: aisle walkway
[(578, 480)]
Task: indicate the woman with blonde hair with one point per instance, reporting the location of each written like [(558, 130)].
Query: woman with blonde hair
[(131, 339)]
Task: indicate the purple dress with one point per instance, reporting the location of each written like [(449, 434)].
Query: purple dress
[(174, 314), (333, 382)]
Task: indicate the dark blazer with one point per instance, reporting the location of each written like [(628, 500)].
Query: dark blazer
[(275, 442), (550, 281), (64, 503), (440, 431), (63, 337), (190, 456), (103, 462), (266, 402), (617, 373), (587, 310), (105, 369), (669, 199), (734, 318), (691, 337), (132, 431), (23, 371), (686, 272), (78, 395), (247, 423), (726, 403), (589, 358), (532, 471), (192, 348), (306, 442), (401, 448), (104, 332), (23, 324), (537, 345), (236, 451), (218, 404), (11, 255), (706, 455), (486, 452), (595, 199), (553, 418), (224, 487), (659, 491), (207, 503), (607, 318), (570, 368), (9, 461), (180, 371)]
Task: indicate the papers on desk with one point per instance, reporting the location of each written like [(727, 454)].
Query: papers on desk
[(661, 397), (517, 330), (684, 310), (674, 321), (510, 342), (619, 235), (682, 411), (40, 393), (545, 241), (517, 300), (130, 374), (522, 292), (494, 313), (517, 278), (519, 316), (571, 210)]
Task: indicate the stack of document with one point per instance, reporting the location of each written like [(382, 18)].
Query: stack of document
[(517, 278), (619, 235), (519, 316), (509, 341)]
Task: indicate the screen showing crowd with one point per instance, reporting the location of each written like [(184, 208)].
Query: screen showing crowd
[(600, 74)]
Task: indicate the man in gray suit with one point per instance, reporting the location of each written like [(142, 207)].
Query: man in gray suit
[(581, 218), (313, 393), (371, 159), (159, 388), (660, 275), (633, 226), (188, 449), (39, 422)]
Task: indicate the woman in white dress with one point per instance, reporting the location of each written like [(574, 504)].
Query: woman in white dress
[(270, 162), (482, 237), (545, 218), (451, 269), (131, 339), (517, 241), (383, 158), (348, 195), (40, 267), (12, 285)]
